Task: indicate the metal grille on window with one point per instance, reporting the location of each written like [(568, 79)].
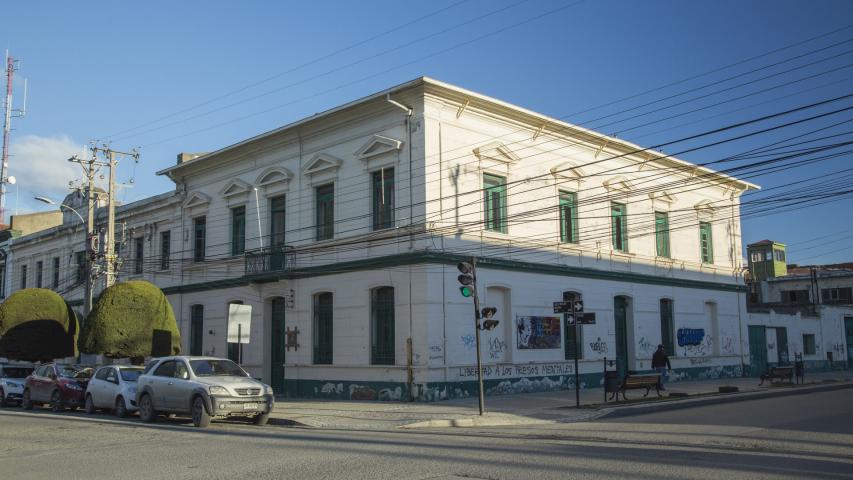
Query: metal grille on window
[(323, 328), (382, 326)]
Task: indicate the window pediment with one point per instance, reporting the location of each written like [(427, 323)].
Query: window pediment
[(321, 163), (618, 184), (496, 151), (567, 170), (378, 145), (663, 196), (196, 199), (234, 187), (704, 209), (273, 176)]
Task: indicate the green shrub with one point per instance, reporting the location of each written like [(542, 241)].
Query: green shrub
[(36, 324), (124, 319)]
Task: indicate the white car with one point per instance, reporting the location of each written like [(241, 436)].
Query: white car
[(12, 379), (113, 388), (205, 388)]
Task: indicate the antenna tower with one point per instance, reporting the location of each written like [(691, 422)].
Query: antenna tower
[(7, 126)]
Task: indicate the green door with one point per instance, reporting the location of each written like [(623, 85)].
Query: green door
[(757, 350), (277, 345), (620, 316), (848, 328), (782, 345)]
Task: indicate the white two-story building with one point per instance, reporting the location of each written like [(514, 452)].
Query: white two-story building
[(342, 231)]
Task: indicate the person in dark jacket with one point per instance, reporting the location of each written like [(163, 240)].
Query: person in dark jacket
[(660, 364)]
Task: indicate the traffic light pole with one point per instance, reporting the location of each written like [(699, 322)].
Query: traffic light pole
[(477, 338)]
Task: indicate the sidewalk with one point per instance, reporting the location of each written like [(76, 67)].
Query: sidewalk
[(526, 409)]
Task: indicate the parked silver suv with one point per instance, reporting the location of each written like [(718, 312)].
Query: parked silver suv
[(205, 387)]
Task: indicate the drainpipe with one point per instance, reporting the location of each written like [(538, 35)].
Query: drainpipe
[(410, 374)]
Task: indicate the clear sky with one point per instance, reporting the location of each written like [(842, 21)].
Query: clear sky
[(195, 76)]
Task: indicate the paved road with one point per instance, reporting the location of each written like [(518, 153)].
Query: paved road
[(792, 437)]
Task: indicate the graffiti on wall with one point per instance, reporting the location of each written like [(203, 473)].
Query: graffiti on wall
[(469, 342), (645, 347), (521, 370), (538, 332), (690, 336), (703, 348), (497, 347), (599, 346), (728, 345), (436, 352)]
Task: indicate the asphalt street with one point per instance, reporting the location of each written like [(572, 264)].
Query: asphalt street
[(801, 436)]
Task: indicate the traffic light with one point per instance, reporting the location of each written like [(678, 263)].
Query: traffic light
[(466, 279), (488, 322)]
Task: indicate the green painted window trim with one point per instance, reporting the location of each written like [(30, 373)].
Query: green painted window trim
[(662, 234), (619, 226), (238, 230), (568, 217), (706, 242), (667, 325), (323, 328), (383, 199), (325, 196), (494, 203), (382, 326)]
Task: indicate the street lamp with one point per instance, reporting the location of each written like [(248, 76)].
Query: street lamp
[(60, 205)]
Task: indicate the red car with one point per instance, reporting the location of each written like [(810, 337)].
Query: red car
[(61, 385)]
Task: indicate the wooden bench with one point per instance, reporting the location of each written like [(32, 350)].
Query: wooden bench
[(637, 381), (781, 373)]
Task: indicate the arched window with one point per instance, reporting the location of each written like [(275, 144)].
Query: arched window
[(574, 335)]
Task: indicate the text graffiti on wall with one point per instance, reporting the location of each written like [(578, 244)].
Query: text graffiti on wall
[(599, 346), (690, 336), (504, 371), (496, 348), (645, 347), (728, 345)]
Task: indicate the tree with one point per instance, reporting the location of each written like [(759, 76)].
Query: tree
[(131, 320), (36, 324)]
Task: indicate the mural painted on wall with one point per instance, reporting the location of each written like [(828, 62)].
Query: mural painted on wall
[(538, 332)]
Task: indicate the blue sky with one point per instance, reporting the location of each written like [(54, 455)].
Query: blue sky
[(155, 75)]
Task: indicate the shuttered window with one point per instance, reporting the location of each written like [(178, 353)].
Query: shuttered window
[(568, 217), (662, 234), (619, 226), (706, 242), (494, 203)]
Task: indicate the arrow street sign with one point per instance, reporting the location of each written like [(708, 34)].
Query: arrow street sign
[(578, 306), (586, 319), (570, 319), (563, 307)]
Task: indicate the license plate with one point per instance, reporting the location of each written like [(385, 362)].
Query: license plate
[(250, 406)]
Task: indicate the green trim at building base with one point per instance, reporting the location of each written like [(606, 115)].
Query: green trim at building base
[(436, 391)]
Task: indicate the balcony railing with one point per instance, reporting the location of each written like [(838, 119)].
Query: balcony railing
[(277, 258)]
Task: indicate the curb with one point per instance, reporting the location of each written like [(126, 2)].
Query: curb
[(687, 402)]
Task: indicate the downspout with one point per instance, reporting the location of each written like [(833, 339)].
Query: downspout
[(410, 374)]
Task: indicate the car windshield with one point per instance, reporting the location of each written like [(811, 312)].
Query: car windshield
[(16, 372), (74, 371), (130, 374), (209, 368)]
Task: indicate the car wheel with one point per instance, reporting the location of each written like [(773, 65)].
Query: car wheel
[(261, 420), (121, 409), (90, 405), (146, 409), (3, 403), (56, 402), (26, 401), (200, 416)]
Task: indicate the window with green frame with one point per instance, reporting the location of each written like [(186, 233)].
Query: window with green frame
[(325, 211), (619, 226), (667, 325), (568, 217), (706, 242), (238, 230), (383, 198), (323, 328), (662, 234), (494, 203), (382, 326)]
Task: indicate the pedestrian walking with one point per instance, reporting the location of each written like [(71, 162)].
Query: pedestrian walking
[(660, 364)]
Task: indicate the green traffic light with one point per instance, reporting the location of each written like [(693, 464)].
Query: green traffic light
[(466, 291)]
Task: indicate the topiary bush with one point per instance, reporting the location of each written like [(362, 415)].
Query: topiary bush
[(36, 324), (124, 320)]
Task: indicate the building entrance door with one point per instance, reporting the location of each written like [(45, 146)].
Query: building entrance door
[(848, 328), (757, 350), (277, 344), (620, 316)]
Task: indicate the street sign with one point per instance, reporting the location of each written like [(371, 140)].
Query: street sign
[(586, 319), (578, 306), (563, 307), (570, 319)]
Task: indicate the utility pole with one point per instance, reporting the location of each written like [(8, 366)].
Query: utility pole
[(7, 127), (88, 166)]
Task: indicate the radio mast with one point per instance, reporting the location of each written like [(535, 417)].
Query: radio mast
[(7, 127)]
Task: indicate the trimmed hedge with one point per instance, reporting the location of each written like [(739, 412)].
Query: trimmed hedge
[(36, 324), (124, 320)]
